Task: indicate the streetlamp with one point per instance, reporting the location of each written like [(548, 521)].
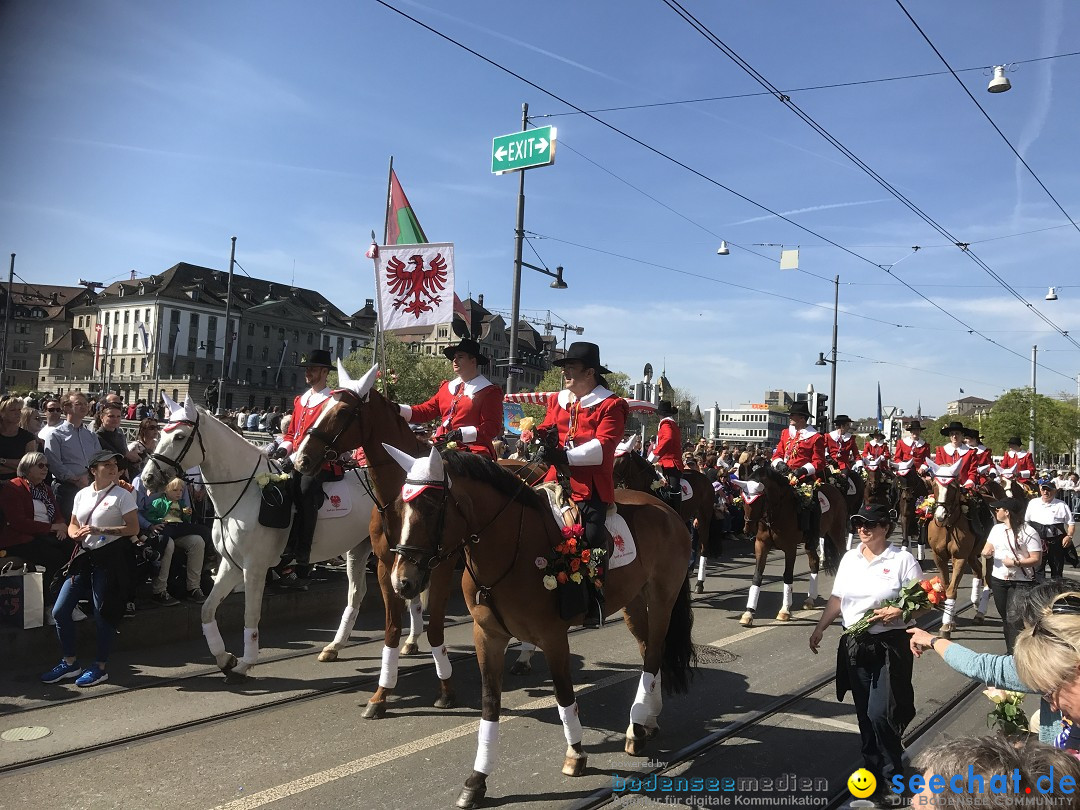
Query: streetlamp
[(225, 354), (822, 360), (515, 314)]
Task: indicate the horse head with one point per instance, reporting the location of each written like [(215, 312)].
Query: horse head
[(341, 427), (632, 471), (422, 508), (180, 447)]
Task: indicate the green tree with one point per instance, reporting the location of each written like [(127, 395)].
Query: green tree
[(1055, 422), (410, 377)]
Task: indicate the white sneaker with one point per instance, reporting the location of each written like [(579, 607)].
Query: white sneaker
[(76, 615)]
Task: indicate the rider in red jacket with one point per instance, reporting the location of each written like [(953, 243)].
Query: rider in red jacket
[(668, 453)]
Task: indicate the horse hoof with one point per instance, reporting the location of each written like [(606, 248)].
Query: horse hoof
[(409, 648), (809, 604), (747, 619), (328, 655), (978, 618), (521, 668), (471, 796), (946, 631), (230, 664), (783, 616), (374, 711), (445, 701), (699, 587), (635, 740), (574, 765), (651, 731)]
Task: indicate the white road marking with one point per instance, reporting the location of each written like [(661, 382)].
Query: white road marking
[(833, 722), (321, 778), (753, 631)]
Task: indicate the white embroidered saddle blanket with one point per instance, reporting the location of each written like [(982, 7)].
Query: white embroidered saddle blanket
[(338, 502), (624, 550), (687, 490), (823, 502)]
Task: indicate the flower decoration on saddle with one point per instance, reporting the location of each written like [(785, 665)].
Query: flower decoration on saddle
[(265, 479), (925, 510), (1008, 712), (572, 561), (805, 490), (918, 594)]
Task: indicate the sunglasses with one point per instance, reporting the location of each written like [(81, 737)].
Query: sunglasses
[(42, 465), (1066, 605), (866, 524), (55, 410)]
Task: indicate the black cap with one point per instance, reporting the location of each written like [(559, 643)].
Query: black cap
[(100, 456), (872, 513), (588, 354), (469, 347), (1012, 504), (318, 357)]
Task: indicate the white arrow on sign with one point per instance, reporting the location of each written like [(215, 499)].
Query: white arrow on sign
[(500, 153), (541, 145)]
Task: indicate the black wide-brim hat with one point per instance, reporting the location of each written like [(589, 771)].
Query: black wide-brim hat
[(915, 424), (875, 433), (665, 408), (842, 419), (1015, 440), (469, 347), (588, 354), (799, 408), (972, 433), (953, 426), (318, 357)]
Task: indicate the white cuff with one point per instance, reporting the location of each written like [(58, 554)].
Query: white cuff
[(1025, 474), (777, 462), (652, 458), (586, 455), (810, 468), (405, 411), (468, 434)]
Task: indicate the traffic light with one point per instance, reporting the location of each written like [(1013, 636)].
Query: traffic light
[(895, 431), (819, 408)]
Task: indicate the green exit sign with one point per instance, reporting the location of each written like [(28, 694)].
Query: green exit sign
[(523, 150)]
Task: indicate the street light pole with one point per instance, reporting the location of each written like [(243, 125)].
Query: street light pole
[(515, 307), (1031, 441), (225, 349), (8, 308), (832, 378)]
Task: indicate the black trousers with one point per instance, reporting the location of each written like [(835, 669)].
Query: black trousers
[(307, 498), (1006, 592), (1055, 556), (593, 518)]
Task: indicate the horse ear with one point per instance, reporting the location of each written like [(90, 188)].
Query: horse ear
[(435, 464), (170, 403), (189, 408), (404, 460), (343, 378), (364, 384)]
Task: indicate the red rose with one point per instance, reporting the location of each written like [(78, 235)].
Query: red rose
[(575, 564), (562, 578), (586, 555)]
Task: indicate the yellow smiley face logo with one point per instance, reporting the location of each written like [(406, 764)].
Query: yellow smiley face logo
[(861, 783)]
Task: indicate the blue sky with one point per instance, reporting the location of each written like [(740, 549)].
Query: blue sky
[(140, 134)]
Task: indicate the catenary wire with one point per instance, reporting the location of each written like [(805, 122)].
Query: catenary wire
[(971, 330), (720, 45)]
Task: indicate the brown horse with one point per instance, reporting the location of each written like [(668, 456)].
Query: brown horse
[(632, 471), (771, 512), (878, 487), (362, 417), (463, 502), (913, 491), (953, 543)]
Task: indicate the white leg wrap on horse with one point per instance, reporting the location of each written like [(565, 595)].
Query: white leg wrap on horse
[(213, 639), (571, 723), (984, 600), (251, 646), (922, 552), (654, 700), (639, 711), (811, 591), (701, 569), (348, 621), (821, 548), (976, 591), (527, 647), (388, 673), (787, 596), (443, 667), (416, 619), (751, 599), (950, 609), (487, 746)]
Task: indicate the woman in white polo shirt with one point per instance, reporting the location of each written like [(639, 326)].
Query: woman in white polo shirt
[(876, 665), (1017, 553), (1053, 522)]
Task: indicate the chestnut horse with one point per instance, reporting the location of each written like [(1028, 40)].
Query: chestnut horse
[(913, 491), (770, 506), (464, 502), (635, 472), (362, 417), (953, 542), (878, 487)]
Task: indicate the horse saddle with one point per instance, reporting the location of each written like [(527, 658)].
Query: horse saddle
[(337, 499), (687, 490), (565, 512), (823, 500)]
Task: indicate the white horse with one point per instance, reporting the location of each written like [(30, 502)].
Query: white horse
[(231, 467)]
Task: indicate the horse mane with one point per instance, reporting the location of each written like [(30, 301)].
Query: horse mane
[(766, 473), (396, 419), (479, 468)]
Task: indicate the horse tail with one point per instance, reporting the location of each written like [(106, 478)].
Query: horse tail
[(832, 556), (680, 658)]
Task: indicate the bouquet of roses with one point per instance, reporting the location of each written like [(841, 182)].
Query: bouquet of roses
[(915, 595), (265, 479), (925, 510), (1008, 713), (571, 562)]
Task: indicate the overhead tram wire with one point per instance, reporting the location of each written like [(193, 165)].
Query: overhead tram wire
[(970, 329), (986, 115), (835, 85), (720, 45)]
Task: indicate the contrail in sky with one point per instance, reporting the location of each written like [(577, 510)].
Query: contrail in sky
[(805, 210)]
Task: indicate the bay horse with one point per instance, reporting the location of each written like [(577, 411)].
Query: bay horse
[(230, 467), (953, 542), (770, 506), (878, 487), (463, 502), (633, 471), (362, 417), (913, 491)]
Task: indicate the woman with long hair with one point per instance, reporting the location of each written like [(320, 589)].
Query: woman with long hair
[(146, 440), (1017, 553)]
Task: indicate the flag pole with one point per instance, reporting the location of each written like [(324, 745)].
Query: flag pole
[(159, 316), (381, 337)]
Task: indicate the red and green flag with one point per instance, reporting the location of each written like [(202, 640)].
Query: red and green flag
[(402, 226)]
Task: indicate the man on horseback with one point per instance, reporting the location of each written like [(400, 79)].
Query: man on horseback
[(1017, 463), (914, 448), (842, 454), (469, 407), (801, 450), (984, 459), (668, 454), (875, 450), (307, 490), (956, 450), (588, 420)]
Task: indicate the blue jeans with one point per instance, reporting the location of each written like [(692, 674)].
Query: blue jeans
[(75, 588)]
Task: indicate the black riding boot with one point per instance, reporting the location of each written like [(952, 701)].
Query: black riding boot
[(308, 497), (593, 515)]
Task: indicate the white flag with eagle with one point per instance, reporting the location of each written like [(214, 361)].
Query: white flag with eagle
[(416, 284)]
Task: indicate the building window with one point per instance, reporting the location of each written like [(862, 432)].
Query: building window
[(146, 317), (295, 359), (247, 376), (193, 333), (249, 352), (281, 333), (352, 346), (251, 330), (296, 335), (266, 331), (326, 341), (265, 354), (340, 346), (134, 341), (142, 365), (123, 362), (136, 316), (262, 377), (126, 313), (310, 338), (123, 342)]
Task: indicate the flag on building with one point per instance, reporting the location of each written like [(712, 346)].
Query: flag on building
[(97, 348), (175, 348), (281, 360), (880, 421), (415, 285), (402, 226), (145, 338)]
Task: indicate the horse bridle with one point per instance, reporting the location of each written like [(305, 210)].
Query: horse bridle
[(181, 472), (352, 412)]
